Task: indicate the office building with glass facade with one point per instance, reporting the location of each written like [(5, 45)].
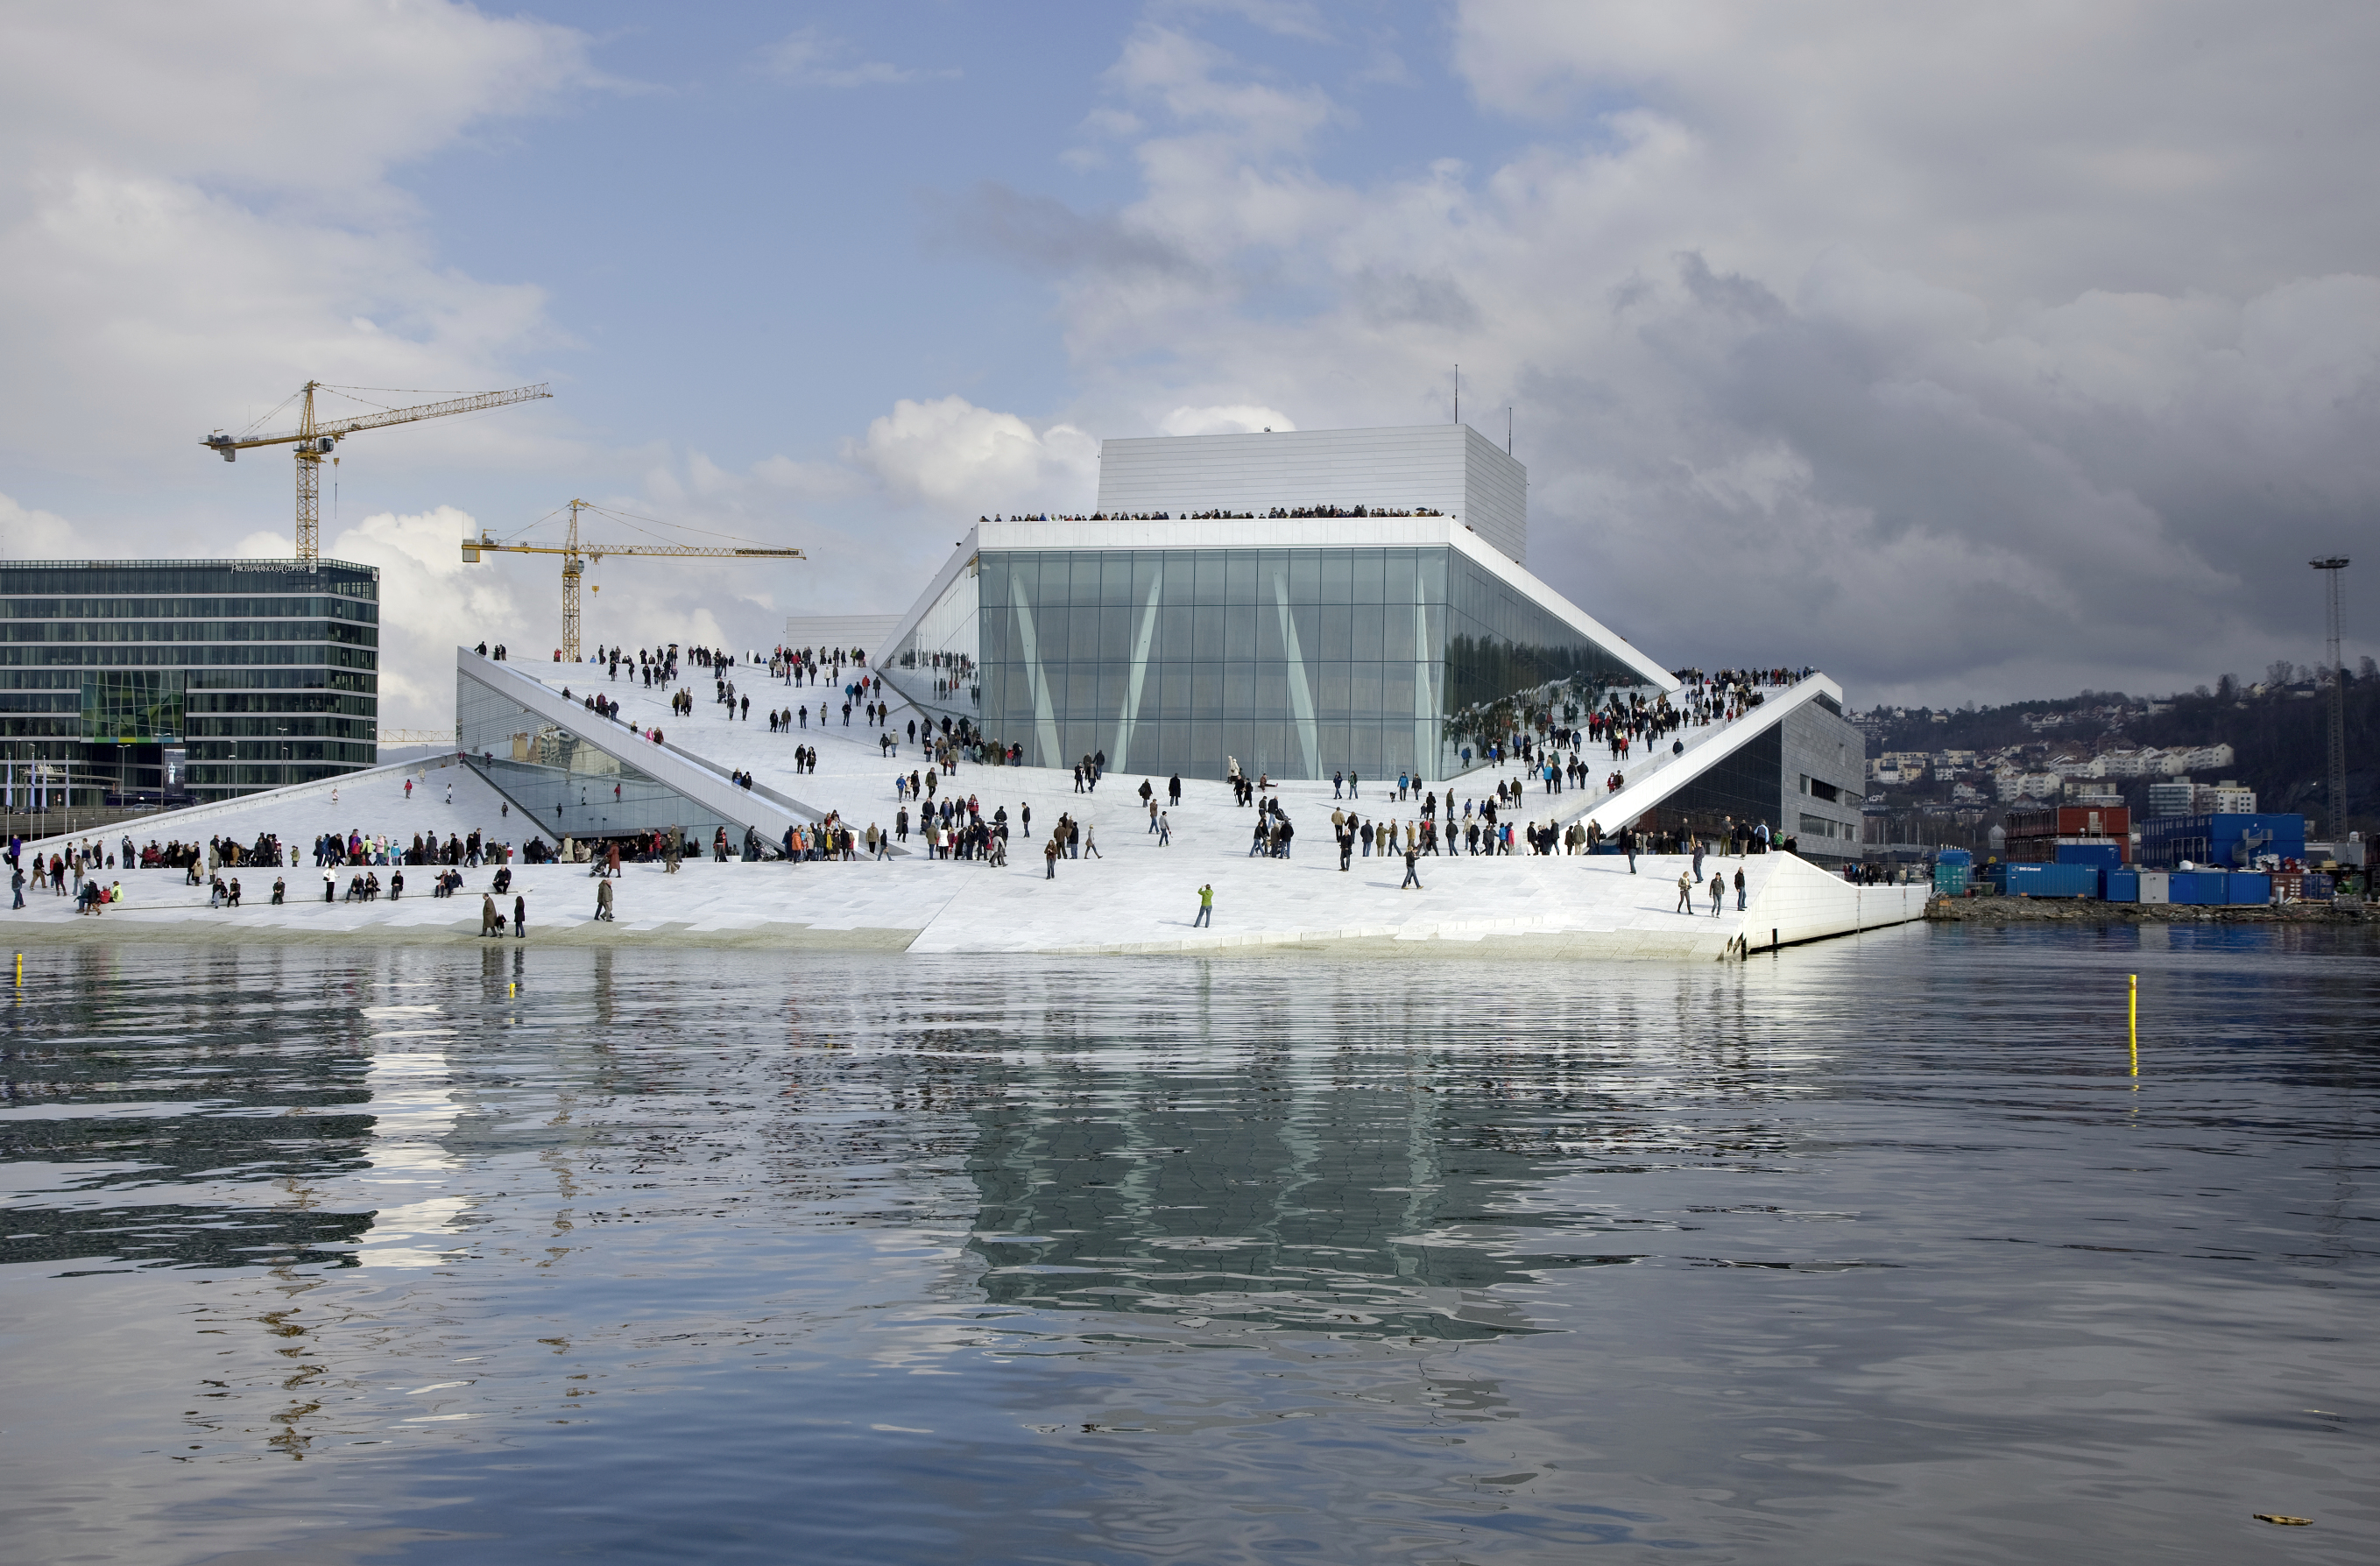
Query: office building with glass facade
[(1298, 648), (1301, 602), (147, 682), (1224, 606)]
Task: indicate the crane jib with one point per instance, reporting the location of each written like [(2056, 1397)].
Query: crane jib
[(575, 557), (314, 441)]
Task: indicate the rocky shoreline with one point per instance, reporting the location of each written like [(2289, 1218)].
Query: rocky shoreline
[(2065, 910)]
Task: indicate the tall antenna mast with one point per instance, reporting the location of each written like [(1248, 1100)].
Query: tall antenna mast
[(2331, 568), (1507, 429), (1458, 394)]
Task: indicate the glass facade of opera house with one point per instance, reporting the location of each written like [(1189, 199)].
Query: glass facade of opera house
[(563, 779), (146, 682), (1297, 662)]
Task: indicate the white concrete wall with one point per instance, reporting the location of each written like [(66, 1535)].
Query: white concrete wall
[(1800, 902), (1447, 468)]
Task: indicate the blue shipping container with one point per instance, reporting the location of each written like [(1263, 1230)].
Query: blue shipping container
[(2250, 887), (2106, 856), (2123, 886), (2226, 841), (2197, 888), (2053, 880)]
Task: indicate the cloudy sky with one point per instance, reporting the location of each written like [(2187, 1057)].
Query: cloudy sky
[(1966, 352)]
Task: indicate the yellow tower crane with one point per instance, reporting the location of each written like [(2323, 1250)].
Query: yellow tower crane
[(574, 555), (314, 441)]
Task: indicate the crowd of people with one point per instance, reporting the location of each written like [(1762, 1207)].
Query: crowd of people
[(1546, 741), (1271, 514)]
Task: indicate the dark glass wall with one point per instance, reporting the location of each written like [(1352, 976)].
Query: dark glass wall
[(1502, 648), (565, 783), (1296, 662), (115, 673), (1746, 787)]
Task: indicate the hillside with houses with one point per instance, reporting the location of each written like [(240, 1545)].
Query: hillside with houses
[(1947, 774)]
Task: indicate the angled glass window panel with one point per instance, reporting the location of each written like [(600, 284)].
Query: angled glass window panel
[(1171, 684), (1206, 632), (1239, 690), (1334, 692), (1053, 624), (1305, 576), (1364, 692), (1335, 633), (1273, 747), (1367, 622), (1115, 579), (1273, 690), (993, 578), (1174, 643), (1431, 566), (1210, 583), (1240, 627), (1207, 691), (1206, 751)]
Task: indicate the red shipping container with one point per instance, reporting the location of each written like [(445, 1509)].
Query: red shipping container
[(2071, 821)]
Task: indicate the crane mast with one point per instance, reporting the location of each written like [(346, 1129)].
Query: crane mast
[(2334, 779)]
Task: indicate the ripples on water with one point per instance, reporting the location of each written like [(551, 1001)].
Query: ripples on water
[(1873, 1252)]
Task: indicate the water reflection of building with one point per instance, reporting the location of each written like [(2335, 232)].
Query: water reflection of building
[(1369, 1209)]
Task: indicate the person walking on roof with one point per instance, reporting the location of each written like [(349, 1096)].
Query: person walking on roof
[(1205, 907), (1685, 893)]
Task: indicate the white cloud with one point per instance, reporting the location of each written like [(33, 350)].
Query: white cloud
[(814, 58), (197, 216), (971, 460), (1239, 418), (1939, 351), (430, 603), (26, 534)]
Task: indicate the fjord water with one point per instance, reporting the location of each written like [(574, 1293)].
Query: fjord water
[(1871, 1251)]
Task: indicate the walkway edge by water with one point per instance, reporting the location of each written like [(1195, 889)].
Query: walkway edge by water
[(1560, 905)]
